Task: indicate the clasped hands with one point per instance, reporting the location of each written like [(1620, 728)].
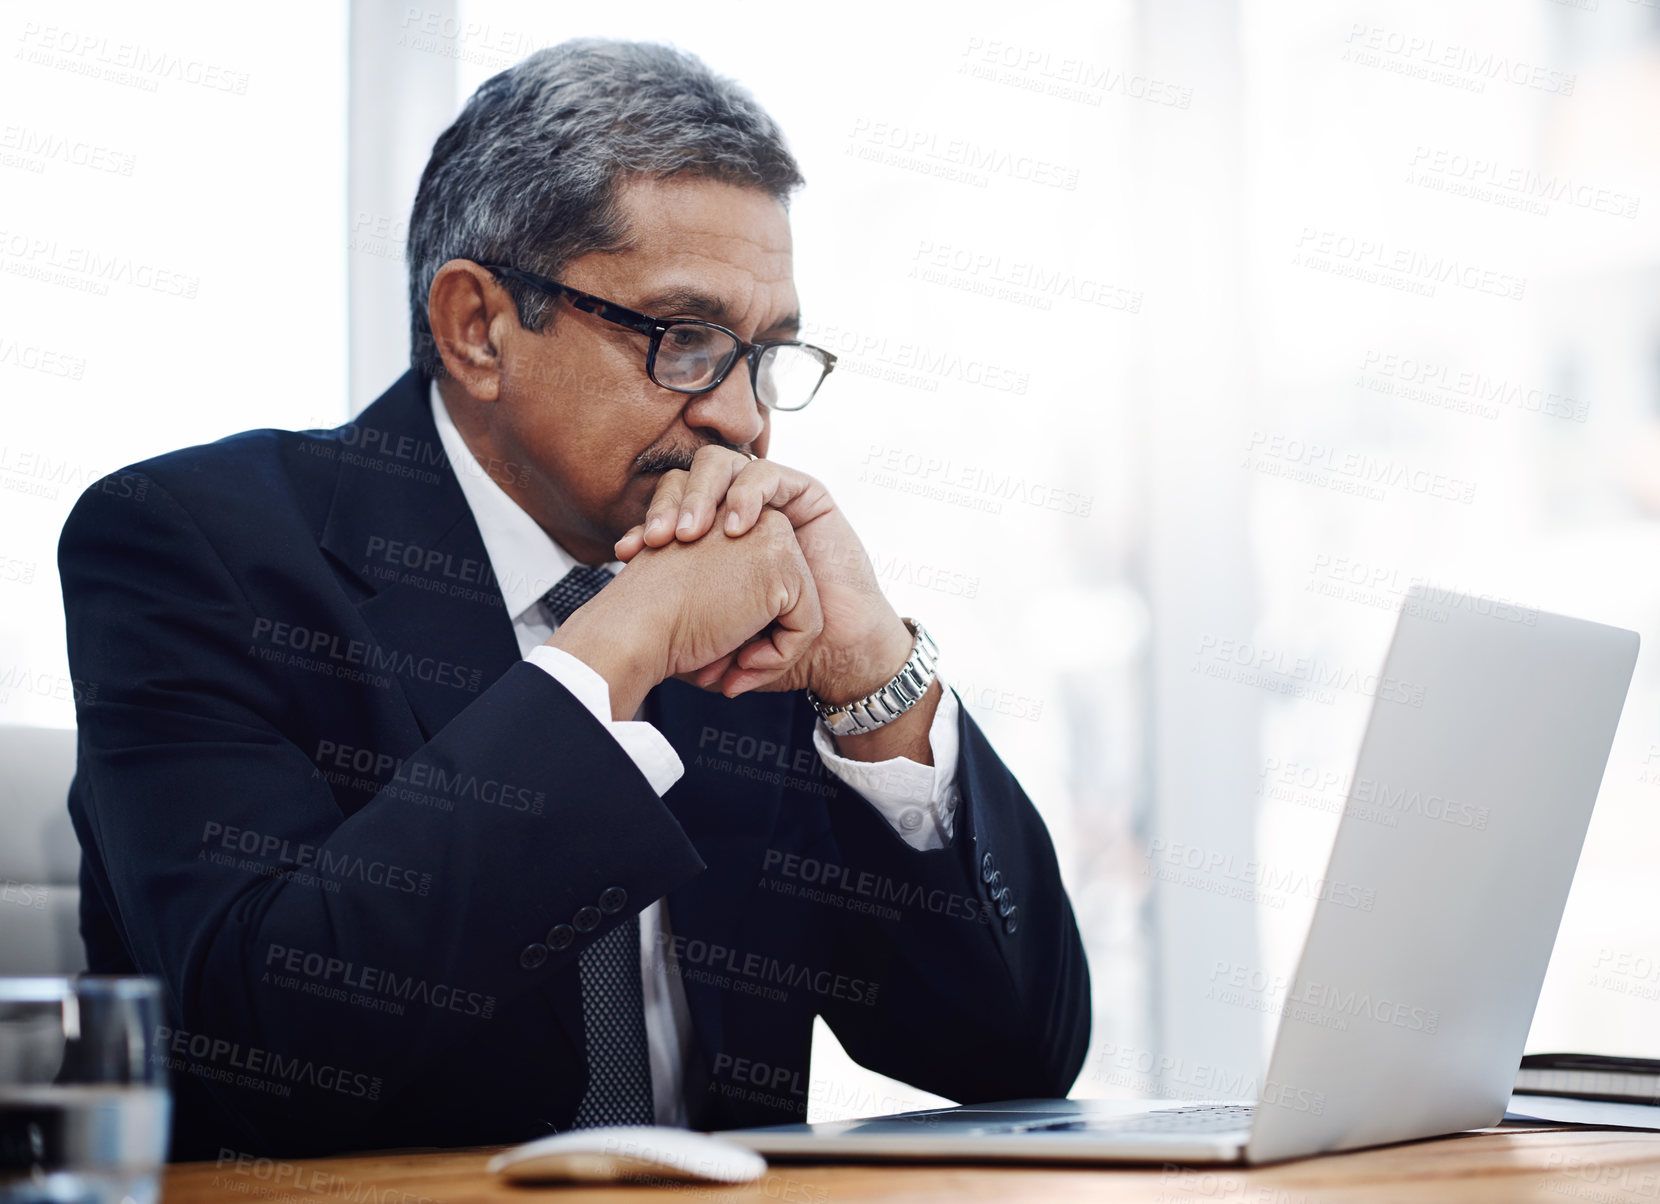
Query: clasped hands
[(743, 576)]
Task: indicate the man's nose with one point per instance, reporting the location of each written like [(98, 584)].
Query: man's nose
[(731, 411)]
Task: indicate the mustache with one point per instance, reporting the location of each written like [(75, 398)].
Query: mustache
[(661, 459)]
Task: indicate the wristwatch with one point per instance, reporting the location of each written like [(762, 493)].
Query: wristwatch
[(892, 700)]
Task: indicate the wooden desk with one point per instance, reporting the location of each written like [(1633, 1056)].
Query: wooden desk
[(1562, 1167)]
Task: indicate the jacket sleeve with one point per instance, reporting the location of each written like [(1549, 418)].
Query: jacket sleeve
[(981, 986), (220, 838)]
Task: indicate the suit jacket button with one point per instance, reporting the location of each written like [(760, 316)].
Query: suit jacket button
[(1005, 906), (988, 867), (560, 937), (612, 899), (533, 957), (586, 919), (995, 883), (1009, 921)]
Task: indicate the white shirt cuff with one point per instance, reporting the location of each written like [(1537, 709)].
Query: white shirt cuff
[(647, 747), (920, 801)]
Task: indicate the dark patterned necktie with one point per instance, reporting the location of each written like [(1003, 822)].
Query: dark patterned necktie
[(613, 1006)]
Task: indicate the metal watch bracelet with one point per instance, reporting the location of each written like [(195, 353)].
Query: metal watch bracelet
[(891, 701)]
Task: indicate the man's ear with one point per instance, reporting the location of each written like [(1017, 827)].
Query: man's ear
[(467, 310)]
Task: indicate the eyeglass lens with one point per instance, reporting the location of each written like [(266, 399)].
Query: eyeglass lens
[(691, 355)]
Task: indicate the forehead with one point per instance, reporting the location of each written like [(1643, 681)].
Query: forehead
[(720, 239)]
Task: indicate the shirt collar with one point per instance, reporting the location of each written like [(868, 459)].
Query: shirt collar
[(526, 561)]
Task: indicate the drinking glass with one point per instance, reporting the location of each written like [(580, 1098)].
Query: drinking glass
[(84, 1104)]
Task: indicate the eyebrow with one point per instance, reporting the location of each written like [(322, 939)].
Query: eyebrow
[(690, 302)]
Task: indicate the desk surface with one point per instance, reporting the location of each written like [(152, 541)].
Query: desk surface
[(1502, 1167)]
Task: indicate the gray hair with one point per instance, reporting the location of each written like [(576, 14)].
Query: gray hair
[(529, 173)]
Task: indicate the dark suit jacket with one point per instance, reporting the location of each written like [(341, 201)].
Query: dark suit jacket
[(362, 844)]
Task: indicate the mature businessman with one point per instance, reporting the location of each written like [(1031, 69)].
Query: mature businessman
[(533, 752)]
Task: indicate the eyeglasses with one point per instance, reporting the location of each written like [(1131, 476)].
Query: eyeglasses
[(689, 355)]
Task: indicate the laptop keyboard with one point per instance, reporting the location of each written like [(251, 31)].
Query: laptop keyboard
[(1196, 1119)]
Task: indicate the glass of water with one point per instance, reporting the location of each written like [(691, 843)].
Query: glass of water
[(84, 1106)]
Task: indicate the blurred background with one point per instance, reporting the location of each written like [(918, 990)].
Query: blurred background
[(1179, 339)]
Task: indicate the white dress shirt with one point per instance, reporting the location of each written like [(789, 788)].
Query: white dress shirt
[(527, 563)]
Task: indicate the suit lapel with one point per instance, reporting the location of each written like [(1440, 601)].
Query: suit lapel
[(399, 523)]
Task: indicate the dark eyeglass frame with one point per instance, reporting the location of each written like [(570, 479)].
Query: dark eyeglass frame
[(656, 328)]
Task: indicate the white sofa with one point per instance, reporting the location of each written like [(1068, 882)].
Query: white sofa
[(39, 857)]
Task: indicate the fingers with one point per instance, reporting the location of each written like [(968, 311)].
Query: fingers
[(722, 483), (761, 484), (708, 677), (664, 510), (713, 469), (785, 641), (631, 544)]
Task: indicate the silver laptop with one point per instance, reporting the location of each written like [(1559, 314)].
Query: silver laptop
[(1404, 1020)]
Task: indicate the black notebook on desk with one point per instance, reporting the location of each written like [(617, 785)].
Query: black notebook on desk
[(1587, 1089), (1590, 1076)]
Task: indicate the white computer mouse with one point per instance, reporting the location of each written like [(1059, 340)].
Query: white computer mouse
[(623, 1152)]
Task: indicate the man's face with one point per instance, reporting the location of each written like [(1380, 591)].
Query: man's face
[(592, 432)]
